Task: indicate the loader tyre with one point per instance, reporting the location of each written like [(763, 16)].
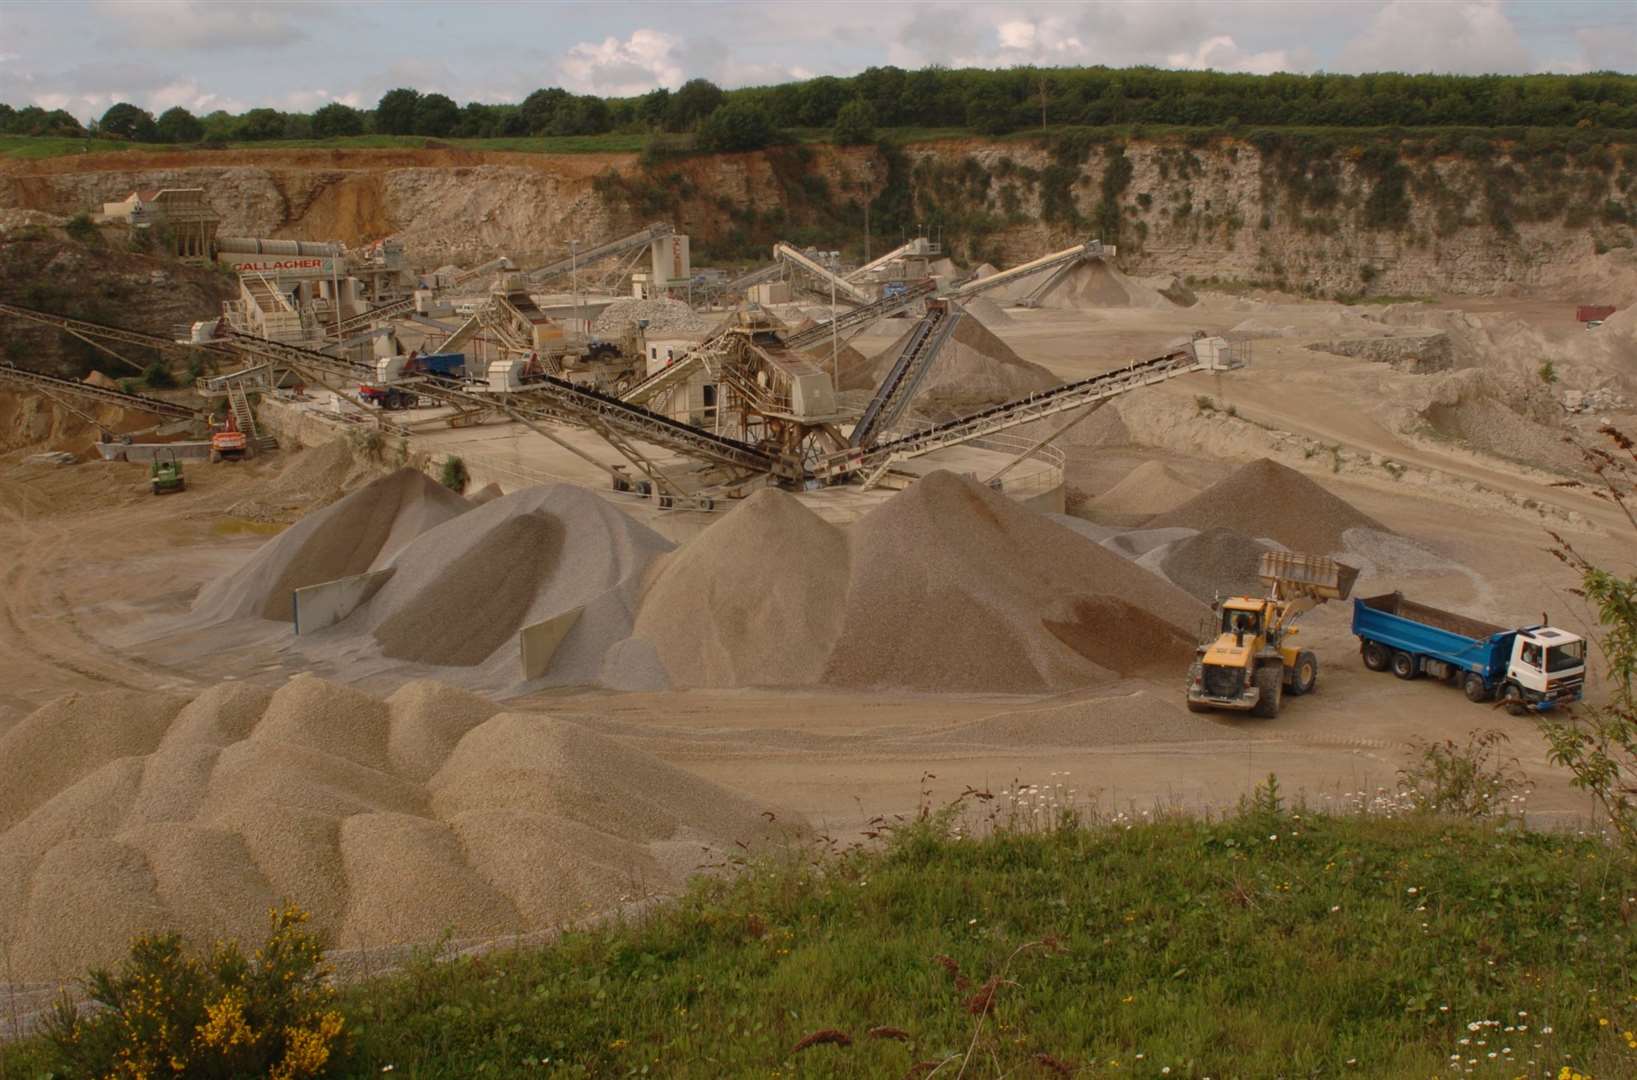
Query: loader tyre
[(1270, 680), (1376, 655), (1306, 675), (1404, 665), (1474, 687)]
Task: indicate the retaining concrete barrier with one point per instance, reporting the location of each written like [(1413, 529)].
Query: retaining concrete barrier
[(327, 603)]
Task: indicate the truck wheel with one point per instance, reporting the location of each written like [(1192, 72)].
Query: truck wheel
[(1475, 688), (1270, 681), (1512, 700), (1404, 665), (1376, 655), (215, 457), (1306, 674)]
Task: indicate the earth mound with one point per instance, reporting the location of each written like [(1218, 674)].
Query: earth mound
[(1268, 499)]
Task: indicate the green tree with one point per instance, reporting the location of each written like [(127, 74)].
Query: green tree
[(855, 123), (989, 109), (690, 105), (581, 116), (821, 100), (395, 113), (436, 115), (128, 122), (260, 125), (652, 106), (540, 108), (177, 125), (736, 126), (336, 119)]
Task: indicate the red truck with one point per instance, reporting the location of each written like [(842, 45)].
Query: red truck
[(1593, 312)]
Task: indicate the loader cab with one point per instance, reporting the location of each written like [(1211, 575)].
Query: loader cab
[(1242, 615)]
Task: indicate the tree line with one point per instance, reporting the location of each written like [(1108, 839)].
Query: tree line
[(984, 101)]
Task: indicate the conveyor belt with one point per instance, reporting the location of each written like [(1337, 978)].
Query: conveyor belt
[(103, 394), (896, 391)]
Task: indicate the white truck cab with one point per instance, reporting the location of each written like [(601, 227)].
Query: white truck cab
[(1547, 664)]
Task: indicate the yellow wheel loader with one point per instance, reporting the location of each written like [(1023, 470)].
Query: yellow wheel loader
[(1254, 659)]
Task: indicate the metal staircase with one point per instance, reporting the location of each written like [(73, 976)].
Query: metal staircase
[(245, 417), (861, 316), (893, 396)]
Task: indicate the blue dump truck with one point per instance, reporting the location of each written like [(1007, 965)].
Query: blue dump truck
[(1531, 668)]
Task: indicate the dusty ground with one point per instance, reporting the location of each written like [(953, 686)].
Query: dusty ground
[(93, 557)]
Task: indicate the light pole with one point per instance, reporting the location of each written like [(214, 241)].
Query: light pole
[(869, 185), (574, 273)]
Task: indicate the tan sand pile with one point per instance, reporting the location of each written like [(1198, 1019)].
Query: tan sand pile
[(974, 368), (1035, 606), (1268, 499), (460, 593), (987, 311), (1216, 562), (1151, 488), (487, 493), (361, 532), (391, 821), (1095, 284), (754, 599)]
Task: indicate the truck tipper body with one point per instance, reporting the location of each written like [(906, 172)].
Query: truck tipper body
[(1532, 667)]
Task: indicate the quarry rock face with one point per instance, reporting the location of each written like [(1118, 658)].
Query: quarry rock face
[(1209, 212)]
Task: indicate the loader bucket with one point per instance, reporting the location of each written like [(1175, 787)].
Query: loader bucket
[(1314, 575)]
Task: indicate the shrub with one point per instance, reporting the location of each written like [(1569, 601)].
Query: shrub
[(738, 125), (80, 227), (1598, 744), (855, 123), (1467, 781), (454, 475), (156, 376), (165, 1012), (1547, 372)]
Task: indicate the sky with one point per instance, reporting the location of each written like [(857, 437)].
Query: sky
[(84, 55)]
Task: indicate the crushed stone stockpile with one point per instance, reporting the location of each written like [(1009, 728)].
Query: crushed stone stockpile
[(1151, 488), (461, 593), (774, 595), (973, 368), (392, 821), (358, 533), (1268, 499), (753, 599), (669, 316), (987, 311), (1216, 562), (1095, 284)]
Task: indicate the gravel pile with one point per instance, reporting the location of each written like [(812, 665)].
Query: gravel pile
[(664, 316), (391, 821), (755, 598), (313, 478), (1268, 499), (360, 532), (1095, 284), (987, 311), (1217, 562), (460, 593), (974, 368), (1151, 488), (950, 552)]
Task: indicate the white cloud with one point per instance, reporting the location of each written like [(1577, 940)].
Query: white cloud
[(1470, 38), (197, 24), (614, 68), (1221, 53)]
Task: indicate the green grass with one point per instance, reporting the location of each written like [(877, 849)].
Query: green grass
[(1272, 943), (32, 147)]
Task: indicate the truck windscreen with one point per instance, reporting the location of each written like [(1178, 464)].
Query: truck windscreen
[(1564, 657)]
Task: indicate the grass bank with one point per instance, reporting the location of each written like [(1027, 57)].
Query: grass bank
[(1271, 943)]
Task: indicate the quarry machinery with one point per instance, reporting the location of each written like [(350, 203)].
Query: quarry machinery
[(1254, 659), (165, 474), (228, 442)]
